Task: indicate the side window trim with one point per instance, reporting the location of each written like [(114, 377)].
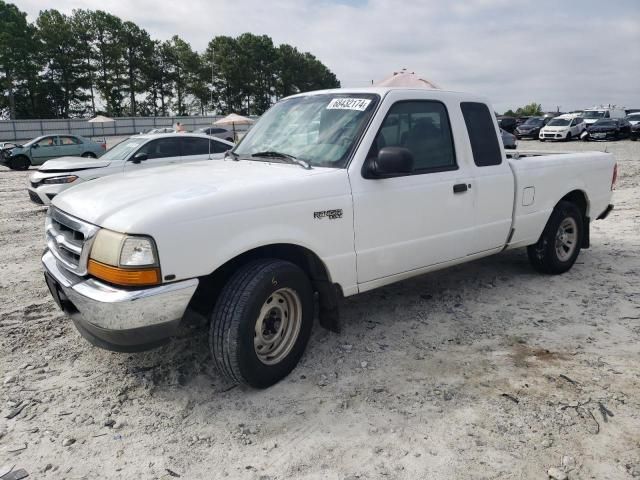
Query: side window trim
[(422, 171)]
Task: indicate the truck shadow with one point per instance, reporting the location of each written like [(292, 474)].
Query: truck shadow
[(187, 356)]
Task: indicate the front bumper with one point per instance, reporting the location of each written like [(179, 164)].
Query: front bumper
[(114, 318)]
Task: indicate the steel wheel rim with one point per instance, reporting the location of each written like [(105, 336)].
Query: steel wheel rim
[(566, 239), (278, 326)]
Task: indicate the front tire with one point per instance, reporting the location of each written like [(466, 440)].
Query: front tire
[(261, 322), (20, 163), (568, 139), (560, 242)]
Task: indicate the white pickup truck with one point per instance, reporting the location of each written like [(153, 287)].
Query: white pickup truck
[(330, 194)]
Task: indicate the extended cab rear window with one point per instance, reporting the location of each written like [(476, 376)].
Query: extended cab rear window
[(482, 134)]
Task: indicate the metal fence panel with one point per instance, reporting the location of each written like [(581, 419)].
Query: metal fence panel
[(23, 130)]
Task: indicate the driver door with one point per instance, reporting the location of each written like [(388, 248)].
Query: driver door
[(416, 220), (47, 148)]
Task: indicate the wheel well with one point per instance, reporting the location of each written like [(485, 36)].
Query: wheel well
[(210, 286), (578, 198)]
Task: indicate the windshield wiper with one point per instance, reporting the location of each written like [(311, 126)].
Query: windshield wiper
[(284, 156)]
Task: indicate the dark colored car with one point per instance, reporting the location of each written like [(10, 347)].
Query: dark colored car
[(507, 123), (521, 120), (531, 128), (635, 132), (608, 129)]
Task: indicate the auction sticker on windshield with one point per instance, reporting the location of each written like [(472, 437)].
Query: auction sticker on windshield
[(360, 104)]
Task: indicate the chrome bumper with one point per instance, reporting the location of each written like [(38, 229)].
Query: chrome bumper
[(104, 310)]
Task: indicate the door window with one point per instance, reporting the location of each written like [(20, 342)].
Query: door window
[(194, 146), (219, 147), (69, 141), (482, 134), (422, 127), (47, 142), (161, 148)]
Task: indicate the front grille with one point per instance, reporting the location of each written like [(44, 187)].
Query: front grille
[(69, 239), (35, 198)]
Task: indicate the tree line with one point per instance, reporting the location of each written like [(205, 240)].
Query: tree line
[(92, 62)]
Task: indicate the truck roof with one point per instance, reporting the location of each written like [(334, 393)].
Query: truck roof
[(382, 91)]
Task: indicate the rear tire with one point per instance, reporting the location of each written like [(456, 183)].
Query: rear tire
[(560, 242), (261, 322), (88, 155), (20, 163)]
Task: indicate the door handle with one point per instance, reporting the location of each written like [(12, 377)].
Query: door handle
[(460, 187)]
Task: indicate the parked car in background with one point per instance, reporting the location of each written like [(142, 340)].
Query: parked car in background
[(133, 154), (608, 129), (217, 132), (635, 132), (41, 149), (633, 118), (564, 127), (521, 120), (5, 147), (592, 115), (531, 128), (507, 123), (508, 139)]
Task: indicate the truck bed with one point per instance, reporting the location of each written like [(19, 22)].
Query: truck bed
[(543, 177)]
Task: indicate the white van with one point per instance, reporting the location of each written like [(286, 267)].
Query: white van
[(563, 127), (593, 114)]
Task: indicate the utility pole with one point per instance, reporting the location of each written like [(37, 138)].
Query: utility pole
[(212, 79)]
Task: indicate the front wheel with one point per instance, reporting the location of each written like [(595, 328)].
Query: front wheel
[(568, 139), (20, 163), (560, 242), (261, 322)]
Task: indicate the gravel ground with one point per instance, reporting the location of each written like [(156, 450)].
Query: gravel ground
[(486, 370)]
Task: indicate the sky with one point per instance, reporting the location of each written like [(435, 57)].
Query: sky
[(567, 54)]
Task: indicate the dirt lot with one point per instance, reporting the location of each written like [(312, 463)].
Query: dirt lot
[(486, 370)]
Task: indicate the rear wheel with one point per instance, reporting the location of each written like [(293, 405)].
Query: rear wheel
[(20, 163), (89, 155), (261, 323), (560, 242)]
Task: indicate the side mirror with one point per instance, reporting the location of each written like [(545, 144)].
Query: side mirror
[(35, 145), (390, 162), (140, 157)]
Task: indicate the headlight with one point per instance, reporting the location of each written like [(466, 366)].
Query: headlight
[(62, 179), (129, 260)]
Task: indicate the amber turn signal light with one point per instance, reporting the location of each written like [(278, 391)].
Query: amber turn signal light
[(127, 277)]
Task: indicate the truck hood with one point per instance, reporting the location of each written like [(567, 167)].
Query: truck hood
[(72, 164), (134, 202)]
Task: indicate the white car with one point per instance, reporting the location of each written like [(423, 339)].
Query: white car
[(393, 183), (135, 153), (634, 118), (563, 127)]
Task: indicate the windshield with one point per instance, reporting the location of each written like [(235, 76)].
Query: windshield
[(593, 114), (534, 122), (122, 150), (605, 123), (319, 129), (559, 122)]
